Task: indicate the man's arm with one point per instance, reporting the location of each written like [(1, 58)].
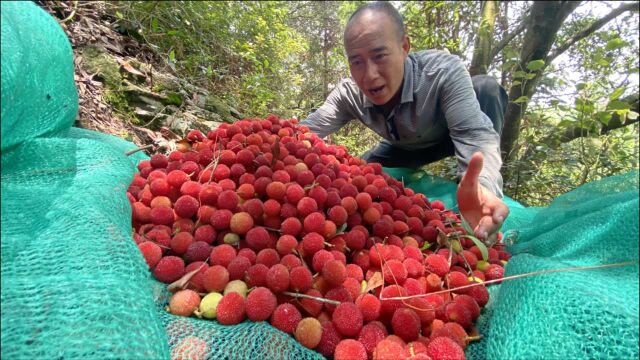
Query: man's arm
[(470, 130), (332, 115), (480, 191)]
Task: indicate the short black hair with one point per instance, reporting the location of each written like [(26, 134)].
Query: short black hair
[(384, 7)]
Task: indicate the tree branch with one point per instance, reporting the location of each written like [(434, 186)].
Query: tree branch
[(510, 36), (576, 132), (507, 38), (591, 29), (615, 123), (553, 141)]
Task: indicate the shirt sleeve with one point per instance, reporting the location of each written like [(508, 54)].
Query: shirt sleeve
[(332, 115), (470, 129)]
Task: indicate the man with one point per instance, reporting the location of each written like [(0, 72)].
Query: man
[(424, 106)]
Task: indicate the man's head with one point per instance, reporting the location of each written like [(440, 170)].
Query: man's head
[(376, 48)]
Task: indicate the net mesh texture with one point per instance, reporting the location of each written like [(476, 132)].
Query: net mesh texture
[(75, 286)]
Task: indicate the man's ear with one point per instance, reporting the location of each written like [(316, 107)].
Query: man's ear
[(406, 44)]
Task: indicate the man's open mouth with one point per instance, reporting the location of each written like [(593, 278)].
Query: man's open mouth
[(376, 91)]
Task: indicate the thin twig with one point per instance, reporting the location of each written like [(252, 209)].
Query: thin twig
[(319, 299), (155, 117), (577, 268), (304, 263), (131, 152), (73, 13)]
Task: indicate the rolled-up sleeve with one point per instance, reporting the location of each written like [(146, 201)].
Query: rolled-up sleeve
[(470, 129), (332, 115)]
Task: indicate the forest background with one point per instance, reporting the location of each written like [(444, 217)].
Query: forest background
[(570, 69)]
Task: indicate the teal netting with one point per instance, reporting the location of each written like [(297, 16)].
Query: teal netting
[(74, 284)]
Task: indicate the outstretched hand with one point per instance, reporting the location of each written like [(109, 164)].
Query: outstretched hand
[(483, 210)]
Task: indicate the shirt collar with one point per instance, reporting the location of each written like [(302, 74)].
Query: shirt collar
[(407, 85)]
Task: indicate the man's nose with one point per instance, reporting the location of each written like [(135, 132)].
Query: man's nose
[(371, 72)]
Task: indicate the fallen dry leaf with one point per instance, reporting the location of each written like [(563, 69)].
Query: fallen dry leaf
[(374, 282), (184, 280), (131, 70)]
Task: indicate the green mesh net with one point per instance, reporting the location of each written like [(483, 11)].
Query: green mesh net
[(74, 284)]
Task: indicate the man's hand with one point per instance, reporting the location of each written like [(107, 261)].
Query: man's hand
[(484, 211)]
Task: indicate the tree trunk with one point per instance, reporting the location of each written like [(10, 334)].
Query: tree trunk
[(456, 29), (482, 48), (543, 25), (503, 20), (325, 59)]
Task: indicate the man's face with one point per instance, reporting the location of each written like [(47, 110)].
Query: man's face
[(376, 56)]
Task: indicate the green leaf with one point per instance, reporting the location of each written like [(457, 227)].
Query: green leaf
[(519, 74), (480, 245), (618, 105), (154, 24), (566, 122), (172, 32), (584, 105), (209, 70), (604, 117), (616, 43), (632, 115), (581, 86), (603, 62), (119, 15), (426, 245), (535, 65), (530, 76), (517, 82), (172, 56), (508, 64), (616, 93), (521, 99), (465, 225)]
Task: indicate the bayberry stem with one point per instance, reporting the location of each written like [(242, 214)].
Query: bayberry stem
[(473, 338), (577, 268), (319, 299)]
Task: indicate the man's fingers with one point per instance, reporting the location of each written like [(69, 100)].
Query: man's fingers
[(491, 239), (500, 213), (470, 177), (486, 227)]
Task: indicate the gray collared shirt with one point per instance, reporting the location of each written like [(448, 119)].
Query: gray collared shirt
[(437, 101)]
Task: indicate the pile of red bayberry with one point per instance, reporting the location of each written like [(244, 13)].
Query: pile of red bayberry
[(261, 219)]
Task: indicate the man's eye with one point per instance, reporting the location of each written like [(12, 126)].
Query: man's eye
[(355, 62), (380, 57)]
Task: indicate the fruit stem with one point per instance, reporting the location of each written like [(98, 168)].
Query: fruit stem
[(319, 299), (473, 338)]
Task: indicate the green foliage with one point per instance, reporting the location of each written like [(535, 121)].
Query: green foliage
[(441, 24), (356, 137), (248, 54), (535, 65)]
